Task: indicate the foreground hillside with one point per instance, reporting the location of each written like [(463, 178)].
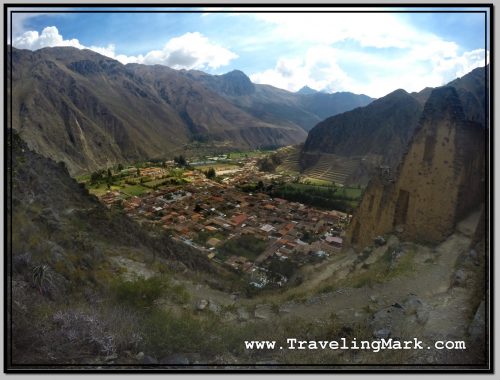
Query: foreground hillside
[(89, 286)]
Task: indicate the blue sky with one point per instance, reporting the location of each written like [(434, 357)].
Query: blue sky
[(371, 53)]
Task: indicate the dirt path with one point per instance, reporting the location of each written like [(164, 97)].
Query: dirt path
[(429, 280)]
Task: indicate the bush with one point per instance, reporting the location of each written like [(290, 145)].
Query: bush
[(140, 293), (166, 333)]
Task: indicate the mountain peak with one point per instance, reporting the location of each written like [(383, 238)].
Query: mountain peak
[(235, 83), (306, 90), (236, 74)]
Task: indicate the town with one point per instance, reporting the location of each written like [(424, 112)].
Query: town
[(206, 208)]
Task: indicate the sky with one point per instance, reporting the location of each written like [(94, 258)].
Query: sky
[(360, 52)]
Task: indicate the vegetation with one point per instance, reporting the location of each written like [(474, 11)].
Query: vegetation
[(210, 173), (142, 293), (269, 162), (180, 160)]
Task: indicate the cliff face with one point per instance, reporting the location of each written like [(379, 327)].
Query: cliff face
[(438, 182), (379, 133)]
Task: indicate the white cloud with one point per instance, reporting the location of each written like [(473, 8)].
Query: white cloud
[(416, 58), (189, 51), (318, 69), (50, 36), (378, 30)]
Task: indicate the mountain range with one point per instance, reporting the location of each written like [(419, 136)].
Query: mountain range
[(380, 131), (304, 108), (91, 111)]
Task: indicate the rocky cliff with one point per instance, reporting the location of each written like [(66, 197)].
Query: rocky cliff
[(380, 132), (439, 181)]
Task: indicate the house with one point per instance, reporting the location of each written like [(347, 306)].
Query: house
[(213, 242), (334, 241), (267, 228), (238, 219)]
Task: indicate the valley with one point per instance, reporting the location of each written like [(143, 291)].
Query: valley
[(164, 217), (229, 211)]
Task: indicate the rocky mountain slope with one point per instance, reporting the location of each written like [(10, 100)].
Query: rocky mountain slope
[(91, 111), (440, 180), (380, 132), (387, 122)]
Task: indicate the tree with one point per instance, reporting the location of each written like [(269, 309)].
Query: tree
[(210, 173), (95, 177), (109, 180), (120, 167), (181, 160)]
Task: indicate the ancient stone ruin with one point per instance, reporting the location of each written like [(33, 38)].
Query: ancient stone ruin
[(439, 181)]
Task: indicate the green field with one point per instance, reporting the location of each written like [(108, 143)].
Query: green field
[(218, 167), (343, 199), (136, 190), (101, 189), (316, 181), (248, 154), (155, 182)]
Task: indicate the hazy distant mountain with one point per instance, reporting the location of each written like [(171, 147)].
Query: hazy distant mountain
[(306, 90), (91, 111), (305, 108), (383, 128)]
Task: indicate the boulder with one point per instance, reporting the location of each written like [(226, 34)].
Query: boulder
[(459, 278), (412, 304), (201, 305), (379, 241), (390, 318), (213, 307), (243, 314), (382, 333)]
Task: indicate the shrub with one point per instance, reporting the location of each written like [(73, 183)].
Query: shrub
[(140, 293)]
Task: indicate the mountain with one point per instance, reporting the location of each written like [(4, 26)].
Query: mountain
[(471, 89), (378, 134), (306, 90), (386, 122), (439, 182), (304, 108), (91, 111)]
